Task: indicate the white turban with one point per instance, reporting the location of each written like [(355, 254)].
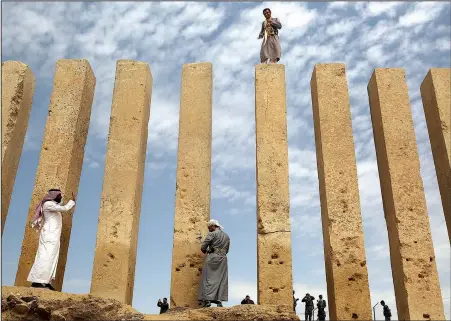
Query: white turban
[(214, 223)]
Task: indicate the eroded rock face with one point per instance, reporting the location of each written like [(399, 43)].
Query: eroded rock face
[(237, 312), (193, 185), (120, 207), (61, 156), (274, 265), (21, 303)]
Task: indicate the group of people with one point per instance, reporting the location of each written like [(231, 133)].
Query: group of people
[(47, 221), (47, 218), (310, 306)]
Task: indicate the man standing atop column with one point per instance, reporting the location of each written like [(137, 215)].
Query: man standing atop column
[(214, 283), (321, 305), (270, 51), (309, 306)]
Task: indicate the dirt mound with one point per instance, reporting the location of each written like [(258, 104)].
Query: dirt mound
[(237, 312), (21, 303)]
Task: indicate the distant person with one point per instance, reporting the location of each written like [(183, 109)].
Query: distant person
[(295, 302), (48, 222), (270, 51), (247, 300), (321, 305), (309, 306), (214, 286), (164, 306), (387, 312)]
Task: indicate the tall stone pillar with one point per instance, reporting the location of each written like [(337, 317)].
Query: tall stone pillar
[(117, 232), (412, 255), (275, 283), (436, 94), (192, 195), (344, 248), (62, 153), (17, 97)]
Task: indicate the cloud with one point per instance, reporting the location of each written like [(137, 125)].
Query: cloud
[(342, 27), (421, 13), (239, 289), (362, 35), (378, 8)]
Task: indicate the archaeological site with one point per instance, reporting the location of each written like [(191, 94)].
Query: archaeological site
[(414, 270)]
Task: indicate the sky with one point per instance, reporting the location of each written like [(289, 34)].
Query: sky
[(363, 35)]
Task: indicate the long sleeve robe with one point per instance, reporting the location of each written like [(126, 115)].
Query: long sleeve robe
[(270, 48), (46, 260), (214, 283)]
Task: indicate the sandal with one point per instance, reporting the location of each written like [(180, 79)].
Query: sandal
[(206, 304)]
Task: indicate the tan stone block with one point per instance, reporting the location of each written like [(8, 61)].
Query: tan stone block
[(344, 248), (415, 277), (62, 153), (436, 94), (274, 260), (17, 96), (275, 283), (192, 199), (113, 274)]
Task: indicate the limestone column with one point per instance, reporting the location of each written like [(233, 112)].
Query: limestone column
[(275, 283), (192, 195), (17, 97), (344, 248), (415, 277), (436, 94), (113, 275), (62, 153)]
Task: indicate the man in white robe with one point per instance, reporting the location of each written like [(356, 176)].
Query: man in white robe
[(48, 222)]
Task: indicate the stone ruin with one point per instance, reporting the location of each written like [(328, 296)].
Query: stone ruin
[(414, 270)]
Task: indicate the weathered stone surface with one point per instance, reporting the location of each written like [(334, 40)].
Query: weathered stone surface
[(436, 94), (20, 308), (65, 306), (412, 255), (192, 199), (344, 251), (55, 316), (12, 300), (61, 156), (275, 284), (17, 96), (43, 312), (117, 233), (237, 312)]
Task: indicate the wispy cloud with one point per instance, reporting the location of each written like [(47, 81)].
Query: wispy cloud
[(363, 35)]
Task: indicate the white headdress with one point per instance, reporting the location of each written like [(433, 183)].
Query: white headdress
[(214, 223)]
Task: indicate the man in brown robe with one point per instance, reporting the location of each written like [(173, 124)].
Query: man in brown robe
[(270, 51)]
